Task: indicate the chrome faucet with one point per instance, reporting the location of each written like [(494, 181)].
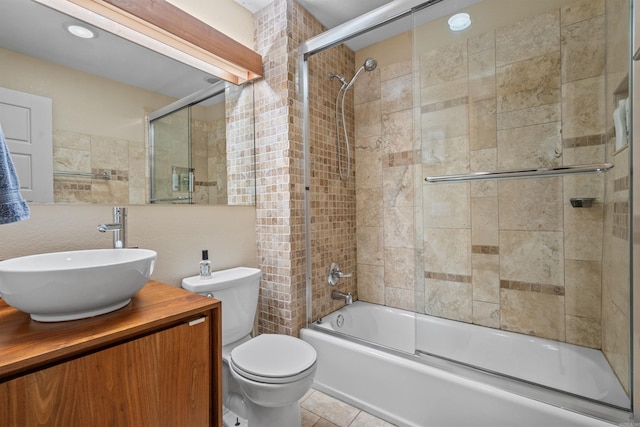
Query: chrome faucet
[(118, 228), (334, 274), (341, 296)]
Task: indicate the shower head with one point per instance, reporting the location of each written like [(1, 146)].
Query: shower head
[(370, 64), (339, 77)]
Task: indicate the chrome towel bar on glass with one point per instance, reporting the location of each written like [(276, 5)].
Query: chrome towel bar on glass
[(523, 173)]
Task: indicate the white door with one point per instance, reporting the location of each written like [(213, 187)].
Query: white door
[(27, 125)]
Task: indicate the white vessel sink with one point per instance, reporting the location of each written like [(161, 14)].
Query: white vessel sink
[(73, 285)]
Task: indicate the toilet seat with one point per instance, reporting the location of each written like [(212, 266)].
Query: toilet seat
[(273, 359)]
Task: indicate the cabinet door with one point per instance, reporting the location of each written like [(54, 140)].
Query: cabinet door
[(163, 379)]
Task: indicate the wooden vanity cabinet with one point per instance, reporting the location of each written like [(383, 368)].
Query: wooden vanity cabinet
[(156, 362)]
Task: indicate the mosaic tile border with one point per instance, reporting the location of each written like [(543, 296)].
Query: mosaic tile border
[(205, 183), (584, 141), (404, 158), (484, 249), (443, 105), (458, 278), (532, 287)]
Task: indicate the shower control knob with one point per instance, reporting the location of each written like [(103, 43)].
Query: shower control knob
[(334, 274)]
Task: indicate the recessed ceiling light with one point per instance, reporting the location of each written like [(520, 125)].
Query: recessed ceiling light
[(80, 31), (459, 22)]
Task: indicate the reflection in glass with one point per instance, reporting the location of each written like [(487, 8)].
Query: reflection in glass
[(202, 150), (171, 171)]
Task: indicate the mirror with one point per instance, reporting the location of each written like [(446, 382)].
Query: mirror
[(191, 160), (101, 91)]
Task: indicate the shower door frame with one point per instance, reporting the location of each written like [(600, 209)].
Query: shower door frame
[(377, 18), (153, 143)]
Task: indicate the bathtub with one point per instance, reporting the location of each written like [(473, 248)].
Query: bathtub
[(425, 388)]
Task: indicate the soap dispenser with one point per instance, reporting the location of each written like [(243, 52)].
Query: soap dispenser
[(205, 265)]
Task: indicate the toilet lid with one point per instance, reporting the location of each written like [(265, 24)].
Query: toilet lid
[(274, 356)]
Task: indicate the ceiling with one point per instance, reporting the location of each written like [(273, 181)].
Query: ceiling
[(332, 13), (329, 13)]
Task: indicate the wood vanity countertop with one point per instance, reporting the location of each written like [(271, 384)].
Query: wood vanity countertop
[(27, 345)]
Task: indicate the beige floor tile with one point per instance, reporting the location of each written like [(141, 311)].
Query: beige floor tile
[(367, 420), (324, 423), (330, 409), (307, 394), (320, 410), (309, 419)]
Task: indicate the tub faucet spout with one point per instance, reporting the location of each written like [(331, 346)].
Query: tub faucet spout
[(341, 296)]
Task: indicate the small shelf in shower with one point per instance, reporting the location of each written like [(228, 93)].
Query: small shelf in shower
[(523, 173)]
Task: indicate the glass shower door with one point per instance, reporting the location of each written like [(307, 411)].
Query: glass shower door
[(171, 169), (544, 260)]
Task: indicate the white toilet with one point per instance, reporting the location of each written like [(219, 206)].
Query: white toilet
[(263, 377)]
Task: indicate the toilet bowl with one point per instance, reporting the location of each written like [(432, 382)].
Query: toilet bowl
[(274, 372), (263, 377)]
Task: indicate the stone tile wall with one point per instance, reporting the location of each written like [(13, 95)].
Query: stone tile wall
[(333, 202), (616, 269), (386, 165), (279, 28)]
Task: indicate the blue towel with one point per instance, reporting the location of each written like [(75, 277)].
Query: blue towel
[(13, 208)]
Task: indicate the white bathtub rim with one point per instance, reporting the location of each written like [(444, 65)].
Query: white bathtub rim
[(562, 400), (403, 422), (559, 400), (615, 397)]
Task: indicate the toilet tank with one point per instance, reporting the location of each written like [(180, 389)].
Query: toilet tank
[(237, 289)]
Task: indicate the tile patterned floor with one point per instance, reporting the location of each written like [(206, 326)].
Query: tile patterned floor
[(321, 410)]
